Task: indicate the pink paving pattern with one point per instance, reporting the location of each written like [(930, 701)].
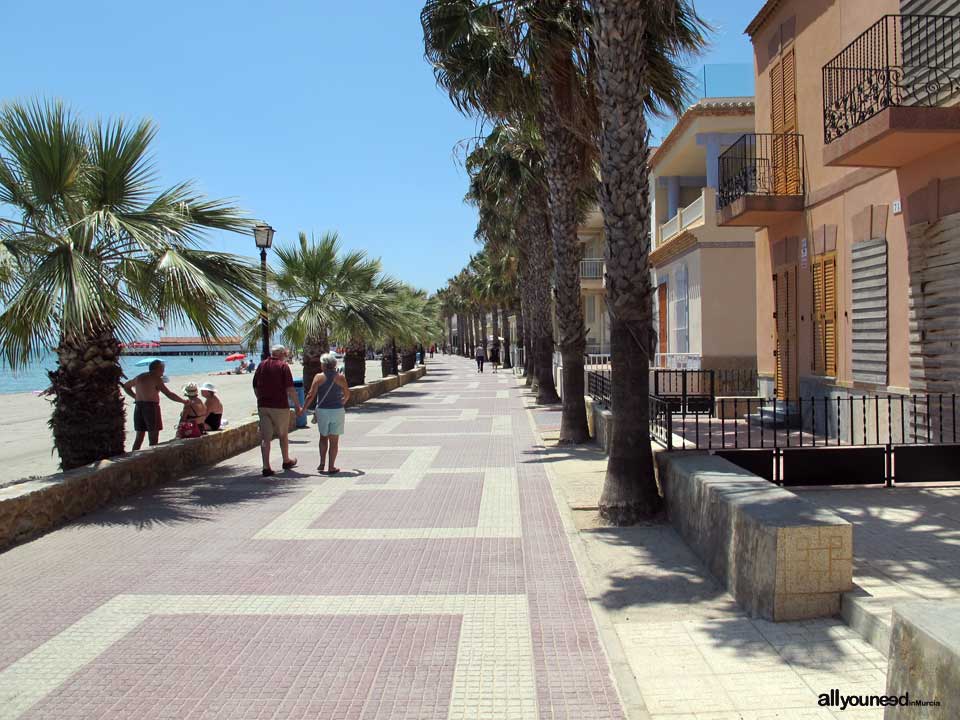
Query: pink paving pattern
[(439, 501), (197, 537)]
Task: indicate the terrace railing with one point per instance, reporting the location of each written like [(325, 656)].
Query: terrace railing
[(768, 164), (902, 60), (591, 268)]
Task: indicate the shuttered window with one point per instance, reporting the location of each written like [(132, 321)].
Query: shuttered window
[(825, 315), (869, 311), (776, 98)]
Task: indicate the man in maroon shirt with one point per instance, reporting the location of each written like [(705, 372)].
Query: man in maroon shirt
[(273, 385)]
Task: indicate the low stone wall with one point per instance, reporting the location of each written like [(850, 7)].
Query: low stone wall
[(30, 508), (361, 393), (599, 422), (780, 556), (924, 659)]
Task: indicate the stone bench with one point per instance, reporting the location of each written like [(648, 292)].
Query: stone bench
[(780, 556), (924, 659)]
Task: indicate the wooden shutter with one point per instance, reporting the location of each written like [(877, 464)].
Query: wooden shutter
[(776, 98), (825, 315), (869, 311), (788, 68), (781, 285)]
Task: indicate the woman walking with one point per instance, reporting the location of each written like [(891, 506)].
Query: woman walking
[(332, 389), (481, 355)]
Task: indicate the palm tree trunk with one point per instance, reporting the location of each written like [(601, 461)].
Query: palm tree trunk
[(88, 414), (313, 349), (541, 328), (408, 358), (495, 327), (483, 330), (507, 360), (629, 489), (355, 363), (563, 153)]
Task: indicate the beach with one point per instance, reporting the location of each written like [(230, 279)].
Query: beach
[(26, 442)]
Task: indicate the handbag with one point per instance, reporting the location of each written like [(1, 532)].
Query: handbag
[(189, 429)]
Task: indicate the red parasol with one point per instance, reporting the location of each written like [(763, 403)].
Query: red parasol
[(235, 357)]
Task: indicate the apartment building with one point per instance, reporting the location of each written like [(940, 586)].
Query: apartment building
[(592, 284), (705, 303), (852, 182)]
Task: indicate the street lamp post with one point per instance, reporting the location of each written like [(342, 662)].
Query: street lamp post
[(263, 236)]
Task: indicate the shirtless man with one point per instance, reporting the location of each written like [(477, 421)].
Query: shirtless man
[(145, 390)]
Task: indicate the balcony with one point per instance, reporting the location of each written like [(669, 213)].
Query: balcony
[(761, 180), (591, 273), (890, 97), (686, 218)]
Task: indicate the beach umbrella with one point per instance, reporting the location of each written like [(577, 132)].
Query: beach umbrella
[(235, 357), (145, 361)]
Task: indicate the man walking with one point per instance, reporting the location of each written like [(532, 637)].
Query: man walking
[(481, 355), (145, 390), (273, 385)]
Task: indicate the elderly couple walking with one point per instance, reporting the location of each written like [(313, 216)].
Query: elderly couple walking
[(273, 385)]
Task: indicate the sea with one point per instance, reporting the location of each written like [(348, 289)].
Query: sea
[(34, 377)]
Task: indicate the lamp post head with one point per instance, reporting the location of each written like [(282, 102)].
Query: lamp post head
[(263, 236)]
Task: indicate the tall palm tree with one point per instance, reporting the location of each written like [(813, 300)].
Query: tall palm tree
[(638, 47), (96, 252), (521, 60), (507, 186), (326, 291)]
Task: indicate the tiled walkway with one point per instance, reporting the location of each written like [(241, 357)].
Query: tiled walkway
[(430, 579)]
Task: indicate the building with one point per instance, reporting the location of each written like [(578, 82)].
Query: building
[(852, 181), (592, 284), (197, 346), (705, 303)]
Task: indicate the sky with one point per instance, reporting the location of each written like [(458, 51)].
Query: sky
[(312, 115)]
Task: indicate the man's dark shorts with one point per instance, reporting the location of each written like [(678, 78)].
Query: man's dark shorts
[(146, 416)]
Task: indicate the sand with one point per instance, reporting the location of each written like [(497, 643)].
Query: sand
[(26, 442)]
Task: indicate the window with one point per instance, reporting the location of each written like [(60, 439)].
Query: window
[(825, 314), (680, 311)]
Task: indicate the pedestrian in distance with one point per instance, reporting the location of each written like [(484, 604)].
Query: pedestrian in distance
[(145, 390), (273, 386), (481, 355), (495, 357), (334, 393)]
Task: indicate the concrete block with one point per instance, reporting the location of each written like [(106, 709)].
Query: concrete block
[(730, 407), (780, 556), (924, 659)]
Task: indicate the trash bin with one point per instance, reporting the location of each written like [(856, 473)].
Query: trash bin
[(301, 419)]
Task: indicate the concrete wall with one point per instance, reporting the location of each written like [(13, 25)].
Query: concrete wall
[(781, 557), (31, 508)]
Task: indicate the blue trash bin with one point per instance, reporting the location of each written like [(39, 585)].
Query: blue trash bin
[(301, 419)]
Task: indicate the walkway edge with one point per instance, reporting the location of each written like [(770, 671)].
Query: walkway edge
[(624, 681)]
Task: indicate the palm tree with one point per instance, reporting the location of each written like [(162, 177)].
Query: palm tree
[(326, 291), (96, 252), (521, 61), (507, 186), (638, 48)]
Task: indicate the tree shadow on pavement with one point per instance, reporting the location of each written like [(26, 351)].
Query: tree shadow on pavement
[(192, 499)]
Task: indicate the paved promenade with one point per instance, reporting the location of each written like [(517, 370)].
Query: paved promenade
[(432, 578)]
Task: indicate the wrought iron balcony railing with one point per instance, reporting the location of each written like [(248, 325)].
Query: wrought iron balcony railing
[(768, 164), (591, 269), (901, 61)]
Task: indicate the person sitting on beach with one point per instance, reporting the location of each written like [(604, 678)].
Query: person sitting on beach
[(145, 390), (193, 414), (213, 405)]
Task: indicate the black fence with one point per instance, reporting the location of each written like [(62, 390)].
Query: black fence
[(821, 440), (762, 164), (686, 391), (902, 60)]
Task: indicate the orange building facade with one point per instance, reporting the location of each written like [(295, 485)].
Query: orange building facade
[(852, 181)]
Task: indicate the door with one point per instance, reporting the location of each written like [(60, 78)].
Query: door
[(784, 317), (785, 144), (662, 312)]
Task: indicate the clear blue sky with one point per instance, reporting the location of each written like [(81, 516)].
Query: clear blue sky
[(314, 115)]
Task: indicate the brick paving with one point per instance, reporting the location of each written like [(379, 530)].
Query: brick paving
[(431, 579)]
